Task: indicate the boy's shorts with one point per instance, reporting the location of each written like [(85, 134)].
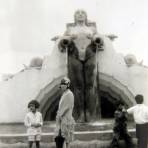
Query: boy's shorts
[(34, 137)]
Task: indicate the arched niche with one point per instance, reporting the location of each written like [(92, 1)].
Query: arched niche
[(111, 90)]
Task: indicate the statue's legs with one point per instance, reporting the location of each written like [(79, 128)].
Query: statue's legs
[(91, 89), (84, 87), (75, 73)]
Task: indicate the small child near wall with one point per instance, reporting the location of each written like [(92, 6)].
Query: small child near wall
[(33, 121)]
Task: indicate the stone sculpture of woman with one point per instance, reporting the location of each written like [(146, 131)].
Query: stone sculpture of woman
[(82, 43)]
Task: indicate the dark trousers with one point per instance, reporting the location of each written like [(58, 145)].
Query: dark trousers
[(125, 136), (120, 132), (142, 135), (36, 142)]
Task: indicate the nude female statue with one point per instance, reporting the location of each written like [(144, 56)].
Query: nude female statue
[(82, 43)]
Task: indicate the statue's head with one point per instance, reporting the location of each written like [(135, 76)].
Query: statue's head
[(80, 16)]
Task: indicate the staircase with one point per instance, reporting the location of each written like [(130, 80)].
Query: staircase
[(87, 135)]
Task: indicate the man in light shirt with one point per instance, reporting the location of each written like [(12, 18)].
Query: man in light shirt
[(140, 114)]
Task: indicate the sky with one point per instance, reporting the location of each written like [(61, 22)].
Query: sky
[(27, 26)]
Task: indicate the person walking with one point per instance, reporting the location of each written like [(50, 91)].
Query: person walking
[(120, 127), (140, 114)]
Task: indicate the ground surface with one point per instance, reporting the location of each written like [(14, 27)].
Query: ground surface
[(88, 135)]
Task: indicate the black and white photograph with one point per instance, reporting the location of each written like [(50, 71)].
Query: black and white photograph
[(73, 74)]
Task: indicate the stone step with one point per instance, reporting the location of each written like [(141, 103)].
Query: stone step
[(14, 135), (49, 137), (75, 144), (48, 127)]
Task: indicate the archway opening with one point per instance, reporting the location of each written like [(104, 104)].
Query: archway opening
[(111, 91), (50, 114), (107, 108), (109, 104)]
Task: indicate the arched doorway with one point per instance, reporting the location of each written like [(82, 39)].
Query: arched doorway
[(111, 90), (108, 105)]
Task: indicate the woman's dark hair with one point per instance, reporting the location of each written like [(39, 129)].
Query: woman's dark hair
[(34, 102), (139, 99)]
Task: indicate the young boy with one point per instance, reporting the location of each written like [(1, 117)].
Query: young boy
[(120, 127), (33, 121), (140, 114)]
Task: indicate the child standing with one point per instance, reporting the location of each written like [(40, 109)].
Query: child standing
[(140, 114), (33, 121)]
